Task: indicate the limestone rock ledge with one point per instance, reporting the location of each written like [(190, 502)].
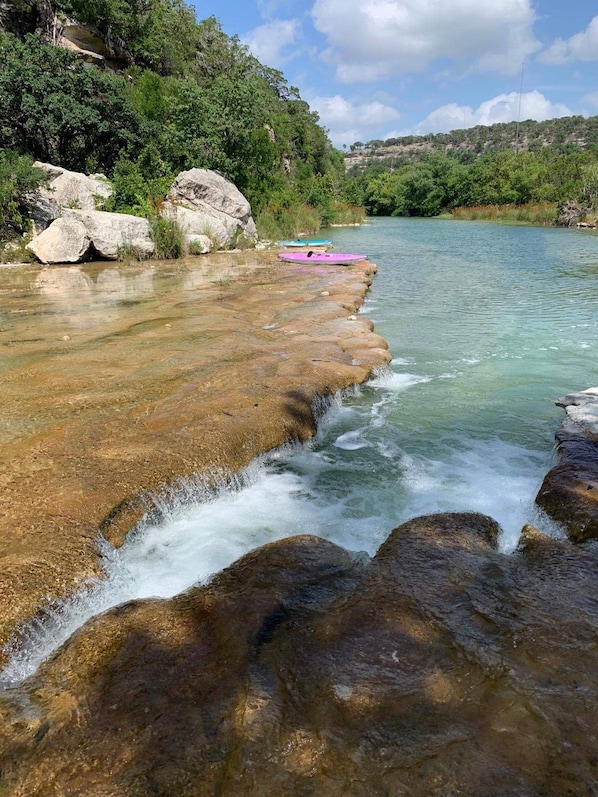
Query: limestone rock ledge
[(126, 379), (569, 492), (439, 667)]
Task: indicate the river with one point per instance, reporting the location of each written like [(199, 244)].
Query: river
[(487, 324)]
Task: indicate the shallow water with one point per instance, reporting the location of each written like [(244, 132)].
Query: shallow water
[(488, 326)]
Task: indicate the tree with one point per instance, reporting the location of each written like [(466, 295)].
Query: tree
[(55, 109), (18, 179)]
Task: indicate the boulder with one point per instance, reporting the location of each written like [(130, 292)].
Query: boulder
[(219, 209), (66, 189), (439, 667), (73, 189), (195, 223), (569, 492), (112, 233), (198, 244), (66, 240)]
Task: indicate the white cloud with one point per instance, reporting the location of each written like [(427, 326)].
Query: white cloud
[(591, 99), (504, 108), (581, 47), (373, 39), (352, 121), (269, 43)]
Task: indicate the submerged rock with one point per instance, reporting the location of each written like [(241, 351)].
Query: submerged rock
[(439, 667), (569, 492)]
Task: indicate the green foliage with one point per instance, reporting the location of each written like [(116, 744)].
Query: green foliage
[(158, 34), (191, 97), (167, 237), (275, 221), (55, 109), (137, 186), (534, 213), (18, 178), (438, 183)]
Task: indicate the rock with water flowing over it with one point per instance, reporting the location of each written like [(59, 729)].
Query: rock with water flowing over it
[(441, 666), (569, 492)]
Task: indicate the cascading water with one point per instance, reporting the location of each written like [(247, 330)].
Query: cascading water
[(492, 324)]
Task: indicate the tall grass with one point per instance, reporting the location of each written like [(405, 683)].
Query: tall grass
[(343, 213), (544, 213), (278, 221), (168, 238)]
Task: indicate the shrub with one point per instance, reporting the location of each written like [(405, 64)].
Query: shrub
[(168, 238), (278, 221), (18, 178)]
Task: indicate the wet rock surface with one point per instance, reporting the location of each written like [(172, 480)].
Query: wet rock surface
[(569, 492), (439, 667), (118, 380)]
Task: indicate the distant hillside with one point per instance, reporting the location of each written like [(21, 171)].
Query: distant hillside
[(568, 134)]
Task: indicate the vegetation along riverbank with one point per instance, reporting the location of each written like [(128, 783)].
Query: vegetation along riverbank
[(141, 94), (543, 172)]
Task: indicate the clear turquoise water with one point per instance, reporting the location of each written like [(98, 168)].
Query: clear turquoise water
[(488, 325)]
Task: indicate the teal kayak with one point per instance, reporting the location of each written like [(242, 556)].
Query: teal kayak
[(305, 242)]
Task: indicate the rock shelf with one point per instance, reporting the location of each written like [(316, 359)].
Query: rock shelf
[(117, 380)]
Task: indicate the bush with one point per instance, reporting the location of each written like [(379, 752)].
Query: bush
[(168, 238), (18, 178), (278, 221)]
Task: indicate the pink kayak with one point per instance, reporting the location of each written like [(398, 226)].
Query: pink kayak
[(336, 259)]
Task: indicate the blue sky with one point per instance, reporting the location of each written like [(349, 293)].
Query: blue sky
[(382, 68)]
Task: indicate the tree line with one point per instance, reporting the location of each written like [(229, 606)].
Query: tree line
[(438, 183), (187, 96)]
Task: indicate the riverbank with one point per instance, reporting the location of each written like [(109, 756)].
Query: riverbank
[(118, 381)]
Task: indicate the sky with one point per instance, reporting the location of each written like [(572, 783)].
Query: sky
[(376, 69)]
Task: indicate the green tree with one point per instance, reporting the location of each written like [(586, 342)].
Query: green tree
[(18, 179), (55, 109)]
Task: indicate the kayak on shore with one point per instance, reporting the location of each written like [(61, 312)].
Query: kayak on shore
[(303, 243), (337, 259)]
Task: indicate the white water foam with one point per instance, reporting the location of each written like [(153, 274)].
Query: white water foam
[(353, 484)]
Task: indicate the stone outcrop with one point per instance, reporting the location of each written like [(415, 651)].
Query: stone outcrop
[(67, 189), (120, 379), (66, 240), (211, 211), (439, 667), (90, 45), (113, 233), (206, 203), (569, 492)]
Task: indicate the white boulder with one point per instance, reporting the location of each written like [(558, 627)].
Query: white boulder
[(198, 244), (206, 203), (113, 233), (65, 241), (73, 189)]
